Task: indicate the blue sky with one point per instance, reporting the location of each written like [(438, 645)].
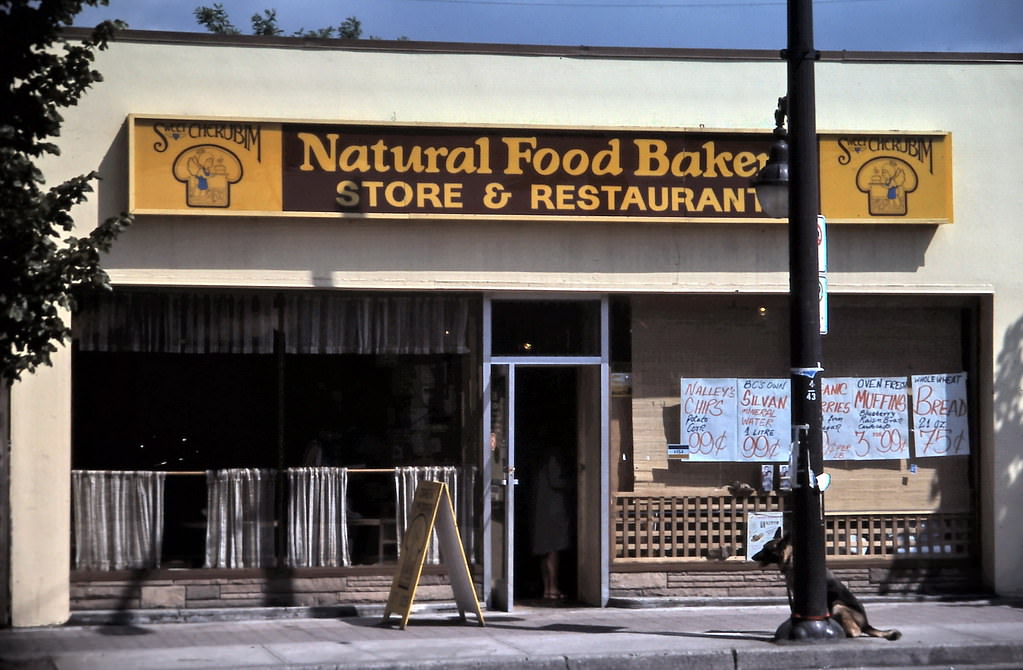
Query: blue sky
[(871, 25)]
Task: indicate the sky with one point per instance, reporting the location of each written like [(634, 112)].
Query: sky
[(854, 25)]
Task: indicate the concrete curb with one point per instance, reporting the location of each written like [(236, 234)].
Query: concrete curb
[(797, 657), (881, 654)]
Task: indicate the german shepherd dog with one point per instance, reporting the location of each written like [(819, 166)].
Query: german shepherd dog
[(844, 607)]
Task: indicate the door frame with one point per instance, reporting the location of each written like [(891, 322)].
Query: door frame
[(594, 579)]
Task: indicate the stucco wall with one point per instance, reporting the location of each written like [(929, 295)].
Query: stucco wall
[(977, 102), (41, 495), (970, 100)]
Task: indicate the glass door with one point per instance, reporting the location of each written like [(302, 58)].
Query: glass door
[(501, 445), (522, 338)]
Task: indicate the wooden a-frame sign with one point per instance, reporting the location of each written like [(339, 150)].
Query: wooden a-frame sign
[(431, 510)]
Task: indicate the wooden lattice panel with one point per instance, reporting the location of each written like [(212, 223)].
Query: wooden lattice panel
[(904, 535), (673, 527), (659, 528)]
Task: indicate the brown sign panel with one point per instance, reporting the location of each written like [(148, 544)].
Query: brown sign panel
[(367, 169)]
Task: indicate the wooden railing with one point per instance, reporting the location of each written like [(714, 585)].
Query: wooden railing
[(679, 528)]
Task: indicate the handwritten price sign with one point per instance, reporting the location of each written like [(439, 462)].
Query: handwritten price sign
[(745, 420), (708, 418), (865, 418), (940, 415), (765, 419)]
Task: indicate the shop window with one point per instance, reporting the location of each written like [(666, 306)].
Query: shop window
[(371, 411), (201, 389), (546, 328), (672, 506), (135, 411), (622, 474)]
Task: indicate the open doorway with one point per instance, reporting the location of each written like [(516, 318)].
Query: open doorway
[(546, 529), (546, 376)]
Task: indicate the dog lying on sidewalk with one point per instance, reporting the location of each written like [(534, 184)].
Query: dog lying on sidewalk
[(844, 607)]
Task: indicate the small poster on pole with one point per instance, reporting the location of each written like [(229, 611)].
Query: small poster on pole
[(760, 529)]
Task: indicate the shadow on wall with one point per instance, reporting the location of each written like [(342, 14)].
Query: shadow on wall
[(1008, 430), (122, 619), (671, 419), (907, 575), (112, 187)]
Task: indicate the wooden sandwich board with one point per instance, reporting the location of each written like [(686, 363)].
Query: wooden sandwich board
[(431, 510)]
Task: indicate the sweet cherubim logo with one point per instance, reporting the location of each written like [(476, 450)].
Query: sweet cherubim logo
[(887, 182), (208, 171)]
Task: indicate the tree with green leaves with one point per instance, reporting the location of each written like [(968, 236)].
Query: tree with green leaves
[(216, 20), (43, 265)]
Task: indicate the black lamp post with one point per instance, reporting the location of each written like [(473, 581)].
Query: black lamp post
[(810, 620)]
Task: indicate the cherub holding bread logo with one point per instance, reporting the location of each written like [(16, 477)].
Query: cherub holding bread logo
[(208, 171), (887, 181)]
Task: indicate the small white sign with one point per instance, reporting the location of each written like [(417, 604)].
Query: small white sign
[(822, 301), (822, 272), (822, 244), (760, 529)]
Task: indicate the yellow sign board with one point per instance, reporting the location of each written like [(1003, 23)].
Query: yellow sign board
[(431, 510), (886, 178), (304, 169), (205, 167)]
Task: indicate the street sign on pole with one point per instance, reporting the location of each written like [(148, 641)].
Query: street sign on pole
[(822, 289), (822, 271), (822, 244)]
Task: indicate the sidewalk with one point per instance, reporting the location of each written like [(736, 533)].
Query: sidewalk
[(960, 634)]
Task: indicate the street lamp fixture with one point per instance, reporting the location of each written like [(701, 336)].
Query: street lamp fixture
[(772, 181), (788, 187)]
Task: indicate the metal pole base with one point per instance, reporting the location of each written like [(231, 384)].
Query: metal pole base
[(809, 631)]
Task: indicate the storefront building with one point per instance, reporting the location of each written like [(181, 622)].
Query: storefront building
[(541, 276)]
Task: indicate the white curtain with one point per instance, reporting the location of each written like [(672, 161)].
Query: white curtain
[(118, 519), (406, 479), (240, 527), (318, 517), (338, 324), (244, 322), (179, 323)]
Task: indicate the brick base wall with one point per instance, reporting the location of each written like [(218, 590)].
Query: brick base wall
[(200, 592), (167, 590), (951, 579)]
